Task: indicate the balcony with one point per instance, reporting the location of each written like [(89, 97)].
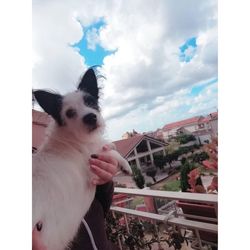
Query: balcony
[(192, 215)]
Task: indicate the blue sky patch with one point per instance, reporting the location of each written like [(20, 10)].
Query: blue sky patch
[(197, 89), (89, 46), (187, 50)]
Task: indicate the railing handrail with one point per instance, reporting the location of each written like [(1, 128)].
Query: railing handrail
[(183, 196), (168, 219)]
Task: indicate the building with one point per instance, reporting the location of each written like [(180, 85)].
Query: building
[(129, 134), (158, 134), (214, 123), (190, 125), (140, 150), (203, 128)]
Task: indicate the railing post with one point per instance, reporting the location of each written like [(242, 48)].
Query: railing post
[(126, 221), (199, 238)]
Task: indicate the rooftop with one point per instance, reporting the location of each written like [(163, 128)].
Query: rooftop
[(192, 120), (182, 123), (126, 145)]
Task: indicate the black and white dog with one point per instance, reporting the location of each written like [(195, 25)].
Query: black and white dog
[(62, 190)]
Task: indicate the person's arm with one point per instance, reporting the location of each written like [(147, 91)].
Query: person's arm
[(105, 167), (104, 194)]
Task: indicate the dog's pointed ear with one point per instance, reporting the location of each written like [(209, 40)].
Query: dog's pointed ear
[(51, 103), (89, 83)]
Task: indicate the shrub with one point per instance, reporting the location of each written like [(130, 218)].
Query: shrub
[(183, 160), (159, 161), (185, 169), (183, 139), (199, 157), (151, 172), (138, 177)]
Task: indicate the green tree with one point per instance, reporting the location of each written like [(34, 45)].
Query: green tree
[(185, 169), (200, 157), (138, 177), (159, 161), (183, 139), (169, 158)]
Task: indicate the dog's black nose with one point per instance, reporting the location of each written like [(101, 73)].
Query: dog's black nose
[(90, 119)]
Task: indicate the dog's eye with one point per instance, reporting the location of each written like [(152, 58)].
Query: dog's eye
[(70, 113)]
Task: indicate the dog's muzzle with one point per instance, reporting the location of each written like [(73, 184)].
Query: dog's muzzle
[(90, 120)]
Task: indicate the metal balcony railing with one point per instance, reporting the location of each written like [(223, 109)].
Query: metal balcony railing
[(196, 223)]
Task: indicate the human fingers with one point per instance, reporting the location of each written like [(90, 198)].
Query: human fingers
[(108, 147), (36, 238), (105, 162), (102, 175)]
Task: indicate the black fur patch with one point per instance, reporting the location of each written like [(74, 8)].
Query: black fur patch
[(51, 104), (88, 83), (91, 102)]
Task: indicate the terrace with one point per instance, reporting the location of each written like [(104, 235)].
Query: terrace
[(196, 222)]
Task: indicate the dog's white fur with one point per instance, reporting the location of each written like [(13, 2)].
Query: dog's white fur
[(61, 179)]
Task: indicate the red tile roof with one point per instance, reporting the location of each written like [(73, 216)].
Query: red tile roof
[(205, 119), (182, 123), (124, 146)]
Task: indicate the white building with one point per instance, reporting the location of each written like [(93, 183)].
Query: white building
[(204, 128)]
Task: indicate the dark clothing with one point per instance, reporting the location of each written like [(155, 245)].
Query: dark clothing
[(96, 221)]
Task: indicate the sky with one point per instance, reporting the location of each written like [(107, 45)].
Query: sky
[(159, 58)]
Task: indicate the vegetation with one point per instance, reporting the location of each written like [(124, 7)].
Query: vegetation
[(159, 161), (151, 172), (185, 170), (138, 177), (211, 153), (199, 157), (136, 238), (191, 176), (173, 185), (187, 149), (183, 139)]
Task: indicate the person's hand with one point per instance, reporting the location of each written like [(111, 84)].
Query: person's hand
[(36, 240), (103, 166)]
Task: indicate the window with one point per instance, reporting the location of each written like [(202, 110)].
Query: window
[(154, 145), (131, 154), (142, 147)]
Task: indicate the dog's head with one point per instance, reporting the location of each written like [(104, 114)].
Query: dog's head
[(77, 112)]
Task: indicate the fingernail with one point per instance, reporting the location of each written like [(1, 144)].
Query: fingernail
[(39, 226), (95, 156)]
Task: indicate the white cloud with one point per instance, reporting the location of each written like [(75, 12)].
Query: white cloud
[(92, 38), (145, 69)]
